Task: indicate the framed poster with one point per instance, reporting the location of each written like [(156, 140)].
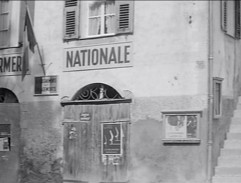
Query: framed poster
[(111, 139), (45, 85), (181, 126)]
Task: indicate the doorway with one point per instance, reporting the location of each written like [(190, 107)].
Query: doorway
[(9, 136), (96, 136)]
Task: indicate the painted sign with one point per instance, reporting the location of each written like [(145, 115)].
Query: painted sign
[(111, 139), (11, 64), (84, 117), (181, 126), (46, 85), (98, 57)]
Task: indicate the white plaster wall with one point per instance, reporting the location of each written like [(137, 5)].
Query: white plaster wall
[(169, 50)]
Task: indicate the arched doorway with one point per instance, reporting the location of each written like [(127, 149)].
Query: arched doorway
[(9, 136), (96, 135)]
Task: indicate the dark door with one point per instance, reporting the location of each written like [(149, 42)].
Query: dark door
[(96, 142), (9, 142)]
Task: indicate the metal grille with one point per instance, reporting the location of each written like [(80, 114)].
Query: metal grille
[(97, 91)]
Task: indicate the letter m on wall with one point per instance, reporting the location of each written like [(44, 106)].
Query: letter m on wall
[(71, 18)]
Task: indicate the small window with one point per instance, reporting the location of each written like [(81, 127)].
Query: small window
[(217, 97), (4, 23), (230, 16), (87, 19)]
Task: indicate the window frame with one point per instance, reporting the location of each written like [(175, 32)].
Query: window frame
[(217, 105), (102, 22)]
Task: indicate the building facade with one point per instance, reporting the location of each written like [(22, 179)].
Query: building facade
[(116, 91)]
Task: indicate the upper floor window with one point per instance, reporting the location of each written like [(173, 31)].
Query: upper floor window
[(4, 23), (86, 19), (231, 20)]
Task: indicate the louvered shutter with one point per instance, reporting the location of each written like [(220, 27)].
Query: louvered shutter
[(237, 19), (4, 24), (71, 19), (224, 15), (231, 18), (124, 16)]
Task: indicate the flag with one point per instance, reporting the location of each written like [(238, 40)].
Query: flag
[(29, 41), (30, 33)]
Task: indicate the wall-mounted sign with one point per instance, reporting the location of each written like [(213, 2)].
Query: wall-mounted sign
[(181, 126), (111, 139), (46, 85), (85, 117), (98, 57), (11, 64)]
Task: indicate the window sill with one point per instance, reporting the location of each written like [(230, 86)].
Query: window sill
[(182, 141), (96, 37)]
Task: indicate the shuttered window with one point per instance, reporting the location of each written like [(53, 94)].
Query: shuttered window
[(217, 97), (230, 16), (237, 19), (87, 19), (4, 23), (71, 16)]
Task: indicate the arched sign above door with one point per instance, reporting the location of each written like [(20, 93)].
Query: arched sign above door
[(97, 91)]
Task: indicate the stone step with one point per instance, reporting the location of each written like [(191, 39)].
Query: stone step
[(235, 120), (237, 113), (232, 144), (233, 136), (230, 152), (235, 128), (228, 171), (226, 179), (229, 161), (238, 106)]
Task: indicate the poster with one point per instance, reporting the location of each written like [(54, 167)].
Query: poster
[(180, 126), (111, 139), (46, 85)]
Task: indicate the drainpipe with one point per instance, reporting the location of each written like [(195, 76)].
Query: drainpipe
[(210, 91)]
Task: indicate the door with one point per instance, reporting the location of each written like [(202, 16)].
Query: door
[(9, 142), (96, 143)]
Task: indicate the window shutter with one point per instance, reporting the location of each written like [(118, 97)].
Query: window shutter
[(124, 16), (4, 23), (71, 19), (230, 18), (224, 15), (237, 19)]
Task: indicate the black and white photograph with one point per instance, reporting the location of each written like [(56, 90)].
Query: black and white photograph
[(120, 91)]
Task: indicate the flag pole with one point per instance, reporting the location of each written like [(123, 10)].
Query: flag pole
[(40, 56)]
